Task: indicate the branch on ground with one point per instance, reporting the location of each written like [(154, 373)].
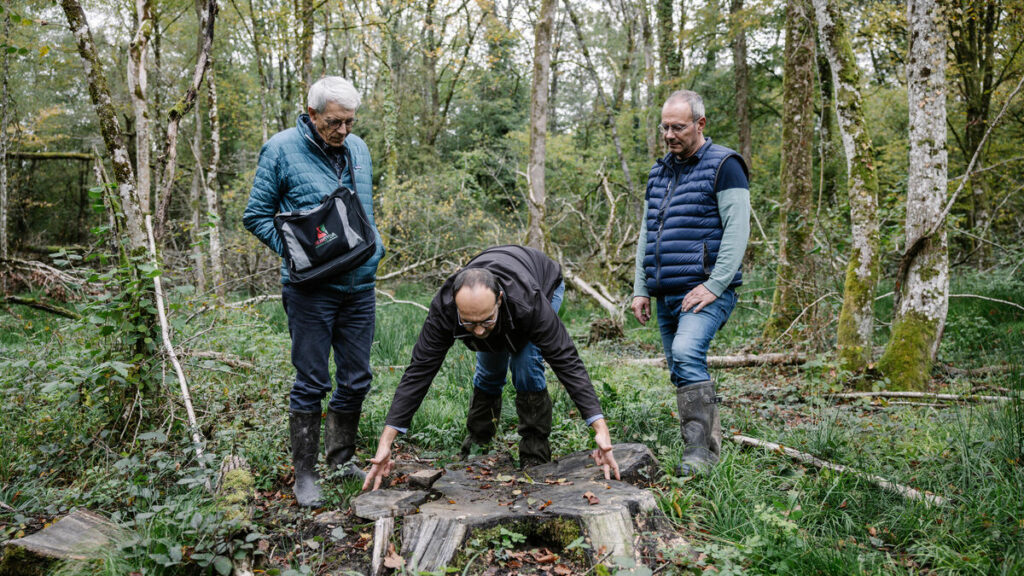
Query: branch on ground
[(51, 308), (737, 360)]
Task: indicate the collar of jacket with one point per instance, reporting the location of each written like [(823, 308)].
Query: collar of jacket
[(308, 130), (670, 160), (505, 325)]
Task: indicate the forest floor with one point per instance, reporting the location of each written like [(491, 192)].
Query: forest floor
[(757, 512)]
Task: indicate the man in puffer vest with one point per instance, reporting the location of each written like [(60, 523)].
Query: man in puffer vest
[(297, 169), (692, 239)]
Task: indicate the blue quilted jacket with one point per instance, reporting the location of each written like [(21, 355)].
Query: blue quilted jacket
[(295, 173), (684, 228)]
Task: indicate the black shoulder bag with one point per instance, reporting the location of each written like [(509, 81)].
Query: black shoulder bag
[(326, 241)]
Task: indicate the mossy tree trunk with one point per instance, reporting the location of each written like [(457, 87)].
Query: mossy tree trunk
[(305, 16), (99, 93), (856, 320), (922, 290), (5, 68), (651, 117), (795, 289), (211, 188), (539, 123)]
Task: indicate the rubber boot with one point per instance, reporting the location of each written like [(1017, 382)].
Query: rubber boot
[(341, 443), (482, 420), (305, 437), (534, 411), (701, 427)]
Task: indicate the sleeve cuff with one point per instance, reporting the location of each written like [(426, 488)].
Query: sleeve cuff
[(715, 287), (400, 430), (594, 418)]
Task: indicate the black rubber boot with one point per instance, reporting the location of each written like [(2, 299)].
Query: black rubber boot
[(482, 420), (534, 411), (700, 426), (305, 437), (340, 439)]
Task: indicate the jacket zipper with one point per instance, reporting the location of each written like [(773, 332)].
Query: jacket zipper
[(661, 227), (348, 160)]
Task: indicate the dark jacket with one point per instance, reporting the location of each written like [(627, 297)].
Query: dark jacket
[(295, 173), (684, 228), (528, 279)]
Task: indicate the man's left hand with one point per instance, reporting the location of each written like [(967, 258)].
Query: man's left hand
[(697, 299), (603, 455)]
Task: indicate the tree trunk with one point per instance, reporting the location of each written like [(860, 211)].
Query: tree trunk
[(195, 203), (923, 297), (652, 113), (212, 187), (137, 54), (856, 320), (539, 123), (207, 19), (124, 173), (261, 70), (305, 44), (668, 58), (795, 287), (741, 80), (5, 69)]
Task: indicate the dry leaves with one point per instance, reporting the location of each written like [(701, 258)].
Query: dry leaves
[(393, 560), (591, 498)]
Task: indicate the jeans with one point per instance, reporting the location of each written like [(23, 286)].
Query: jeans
[(321, 319), (527, 364), (686, 336)]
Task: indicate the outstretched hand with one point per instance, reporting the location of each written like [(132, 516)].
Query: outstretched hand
[(380, 465), (603, 455)]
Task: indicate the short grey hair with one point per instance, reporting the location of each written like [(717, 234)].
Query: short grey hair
[(692, 99), (333, 89)]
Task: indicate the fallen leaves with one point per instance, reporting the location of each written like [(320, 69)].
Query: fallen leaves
[(591, 498), (393, 560)]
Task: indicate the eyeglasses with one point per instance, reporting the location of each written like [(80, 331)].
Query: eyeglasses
[(674, 128), (335, 123), (490, 321)]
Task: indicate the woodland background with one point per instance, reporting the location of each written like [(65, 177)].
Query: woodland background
[(887, 248)]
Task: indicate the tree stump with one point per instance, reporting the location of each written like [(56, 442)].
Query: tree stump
[(554, 503), (80, 535)]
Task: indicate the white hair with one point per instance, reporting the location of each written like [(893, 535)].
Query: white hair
[(333, 89), (692, 99)]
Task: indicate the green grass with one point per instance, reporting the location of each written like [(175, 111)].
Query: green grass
[(755, 513)]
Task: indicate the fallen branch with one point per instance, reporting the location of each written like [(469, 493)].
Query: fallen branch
[(921, 395), (737, 360), (33, 303), (905, 491), (997, 300), (6, 506), (253, 301), (982, 371), (424, 262), (610, 307), (396, 301)]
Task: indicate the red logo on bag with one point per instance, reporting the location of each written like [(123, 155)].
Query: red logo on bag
[(323, 236)]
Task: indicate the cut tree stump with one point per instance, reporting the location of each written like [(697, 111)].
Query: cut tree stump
[(80, 535), (554, 503)]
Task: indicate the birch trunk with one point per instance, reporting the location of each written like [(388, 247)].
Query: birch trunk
[(795, 289), (138, 51), (99, 93), (856, 320), (539, 123), (922, 299), (212, 187), (195, 206)]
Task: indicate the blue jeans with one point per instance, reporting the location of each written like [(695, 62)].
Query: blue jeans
[(320, 319), (686, 336), (527, 364)]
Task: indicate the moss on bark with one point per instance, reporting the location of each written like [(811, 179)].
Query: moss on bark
[(907, 359)]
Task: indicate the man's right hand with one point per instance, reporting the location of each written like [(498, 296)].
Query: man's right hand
[(381, 463), (642, 308)]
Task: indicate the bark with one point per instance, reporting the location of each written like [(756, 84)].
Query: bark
[(669, 68), (212, 187), (739, 360), (924, 395), (169, 160), (195, 206), (138, 51), (651, 116), (51, 155), (794, 279), (99, 93), (923, 299), (741, 79), (535, 235), (40, 305), (256, 32), (856, 319)]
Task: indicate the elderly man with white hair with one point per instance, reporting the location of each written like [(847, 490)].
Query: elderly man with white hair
[(298, 168)]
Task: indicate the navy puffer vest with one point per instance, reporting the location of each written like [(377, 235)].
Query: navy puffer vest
[(684, 228)]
